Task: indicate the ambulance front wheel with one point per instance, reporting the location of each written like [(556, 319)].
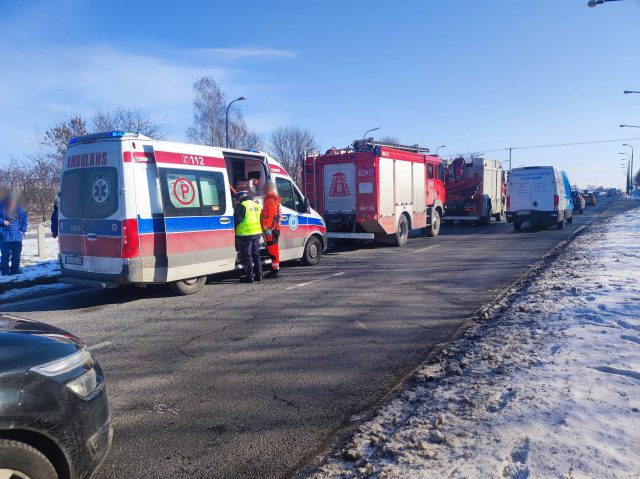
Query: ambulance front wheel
[(189, 286), (312, 252)]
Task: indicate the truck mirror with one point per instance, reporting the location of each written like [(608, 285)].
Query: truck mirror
[(307, 207)]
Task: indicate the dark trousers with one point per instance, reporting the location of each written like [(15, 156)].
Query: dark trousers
[(250, 255), (10, 251)]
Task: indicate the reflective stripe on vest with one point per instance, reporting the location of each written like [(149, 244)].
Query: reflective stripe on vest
[(250, 224)]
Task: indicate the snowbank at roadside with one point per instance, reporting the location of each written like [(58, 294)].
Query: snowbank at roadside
[(549, 386), (35, 269)]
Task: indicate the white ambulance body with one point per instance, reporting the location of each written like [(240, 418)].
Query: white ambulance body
[(135, 210)]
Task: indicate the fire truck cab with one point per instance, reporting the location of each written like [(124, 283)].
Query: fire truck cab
[(377, 191), (135, 210)]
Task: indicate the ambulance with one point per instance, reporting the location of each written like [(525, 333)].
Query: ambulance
[(138, 211)]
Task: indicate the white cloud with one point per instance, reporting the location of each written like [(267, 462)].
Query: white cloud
[(42, 84), (239, 53)]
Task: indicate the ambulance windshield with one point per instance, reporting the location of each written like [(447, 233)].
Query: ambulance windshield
[(89, 193)]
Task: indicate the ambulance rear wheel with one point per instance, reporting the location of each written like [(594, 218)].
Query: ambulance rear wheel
[(312, 252), (189, 286), (402, 234)]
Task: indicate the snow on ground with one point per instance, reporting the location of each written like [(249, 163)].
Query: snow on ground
[(32, 265), (548, 386)]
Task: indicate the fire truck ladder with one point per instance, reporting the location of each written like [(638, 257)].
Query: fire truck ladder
[(369, 144), (310, 188)]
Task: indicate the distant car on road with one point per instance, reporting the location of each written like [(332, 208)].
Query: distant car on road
[(578, 202), (54, 410), (589, 199)]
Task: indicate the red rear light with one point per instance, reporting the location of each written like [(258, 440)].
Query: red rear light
[(556, 201), (130, 245), (508, 201)]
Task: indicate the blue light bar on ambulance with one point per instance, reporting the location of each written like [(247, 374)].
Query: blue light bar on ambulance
[(100, 136)]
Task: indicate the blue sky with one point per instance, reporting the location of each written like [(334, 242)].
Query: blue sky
[(473, 75)]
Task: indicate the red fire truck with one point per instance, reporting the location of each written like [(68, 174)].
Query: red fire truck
[(377, 191), (476, 191)]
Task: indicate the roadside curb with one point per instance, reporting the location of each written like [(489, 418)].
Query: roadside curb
[(25, 283)]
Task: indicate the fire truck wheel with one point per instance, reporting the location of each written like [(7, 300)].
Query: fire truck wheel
[(402, 234), (189, 286), (434, 228), (312, 252)]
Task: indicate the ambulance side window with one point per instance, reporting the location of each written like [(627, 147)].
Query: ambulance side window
[(192, 193), (213, 193), (285, 190), (430, 171)]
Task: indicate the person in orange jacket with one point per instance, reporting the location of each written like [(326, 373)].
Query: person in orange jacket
[(270, 221)]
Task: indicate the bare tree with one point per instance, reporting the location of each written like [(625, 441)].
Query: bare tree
[(209, 115), (132, 120), (288, 146), (56, 139), (390, 139)]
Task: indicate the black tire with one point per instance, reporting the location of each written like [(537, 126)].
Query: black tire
[(402, 233), (28, 461), (499, 216), (189, 286), (485, 220), (570, 220), (312, 252), (517, 226), (560, 224), (433, 229)]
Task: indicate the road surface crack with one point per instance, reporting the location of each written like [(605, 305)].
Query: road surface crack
[(286, 401)]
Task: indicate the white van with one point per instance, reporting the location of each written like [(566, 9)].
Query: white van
[(539, 195), (135, 210)]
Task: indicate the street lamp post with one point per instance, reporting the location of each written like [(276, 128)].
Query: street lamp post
[(595, 3), (630, 165), (364, 137), (226, 120), (627, 162), (629, 92), (629, 126), (441, 146)]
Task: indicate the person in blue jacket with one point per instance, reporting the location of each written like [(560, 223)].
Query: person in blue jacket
[(13, 226)]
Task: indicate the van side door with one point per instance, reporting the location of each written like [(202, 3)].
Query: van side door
[(198, 216)]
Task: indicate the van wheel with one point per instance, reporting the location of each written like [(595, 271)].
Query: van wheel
[(402, 234), (560, 224), (517, 226), (19, 460), (312, 252), (433, 229), (499, 216), (189, 286)]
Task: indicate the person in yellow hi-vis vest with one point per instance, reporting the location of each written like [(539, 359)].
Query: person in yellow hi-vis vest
[(248, 233)]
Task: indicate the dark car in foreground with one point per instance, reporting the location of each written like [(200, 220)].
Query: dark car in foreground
[(54, 410)]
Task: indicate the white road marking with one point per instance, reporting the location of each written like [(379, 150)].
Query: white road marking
[(300, 285), (425, 248), (101, 345)]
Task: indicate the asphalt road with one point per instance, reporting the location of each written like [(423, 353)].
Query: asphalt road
[(254, 380)]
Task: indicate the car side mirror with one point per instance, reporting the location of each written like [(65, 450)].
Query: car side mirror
[(306, 205)]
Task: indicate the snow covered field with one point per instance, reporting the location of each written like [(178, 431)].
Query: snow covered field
[(32, 265), (547, 385)]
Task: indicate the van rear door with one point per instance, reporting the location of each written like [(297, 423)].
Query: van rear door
[(90, 209)]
